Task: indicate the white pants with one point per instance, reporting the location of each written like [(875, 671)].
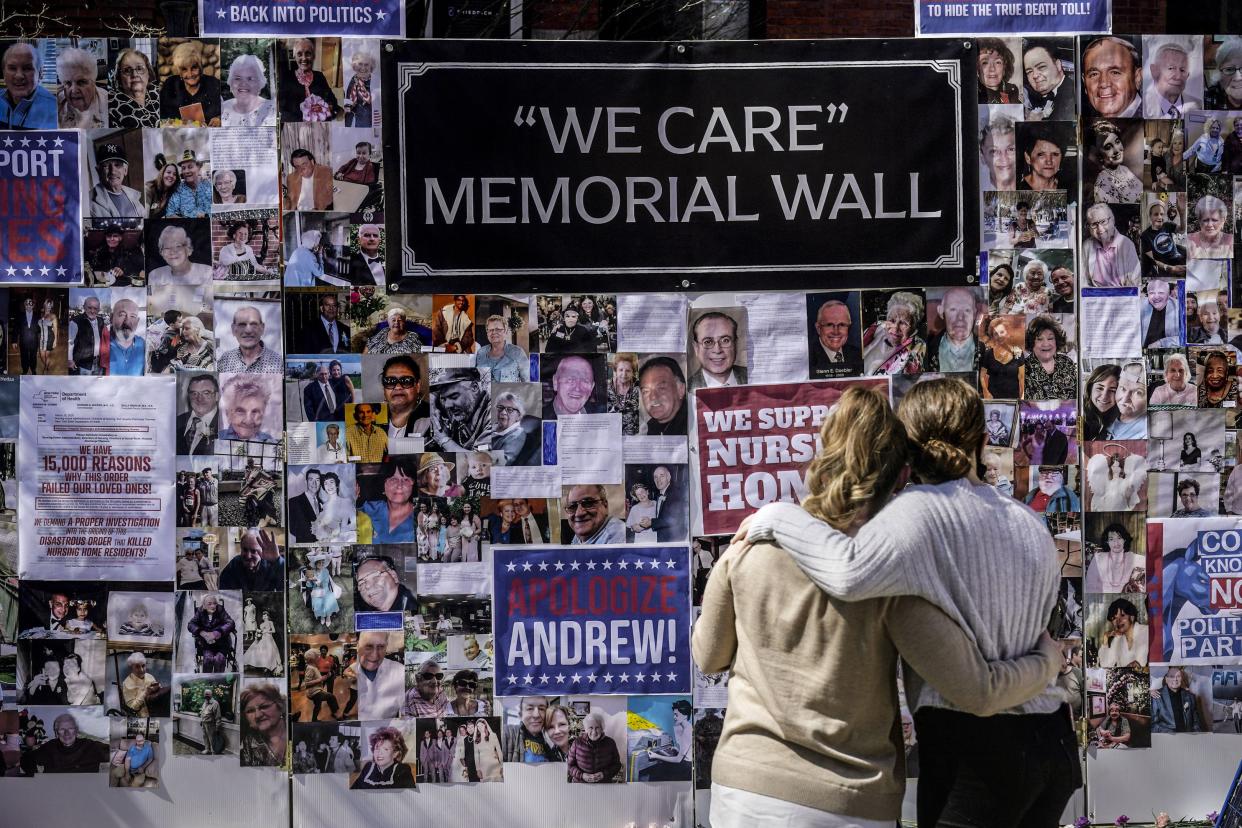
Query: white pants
[(733, 808)]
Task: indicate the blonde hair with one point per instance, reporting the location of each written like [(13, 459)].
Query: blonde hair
[(944, 420), (864, 448)]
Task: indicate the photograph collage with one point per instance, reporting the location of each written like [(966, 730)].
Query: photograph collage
[(350, 457)]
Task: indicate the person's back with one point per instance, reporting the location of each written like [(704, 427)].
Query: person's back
[(812, 715), (812, 719)]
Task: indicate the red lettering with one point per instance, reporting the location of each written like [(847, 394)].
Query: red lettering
[(537, 592), (53, 233), (668, 593), (575, 607), (651, 587), (597, 597), (517, 599), (559, 603), (617, 594), (18, 235)]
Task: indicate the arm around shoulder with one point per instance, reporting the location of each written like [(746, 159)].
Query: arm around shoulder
[(943, 654)]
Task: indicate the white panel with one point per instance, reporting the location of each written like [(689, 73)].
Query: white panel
[(1186, 775), (530, 797)]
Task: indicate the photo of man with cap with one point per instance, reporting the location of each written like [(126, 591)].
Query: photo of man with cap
[(113, 264), (192, 198), (460, 405), (111, 198)]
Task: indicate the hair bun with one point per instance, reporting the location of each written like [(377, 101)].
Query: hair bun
[(942, 461)]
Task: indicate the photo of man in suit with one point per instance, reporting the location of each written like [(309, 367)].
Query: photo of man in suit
[(366, 267), (832, 352), (319, 401), (672, 507), (197, 427), (326, 334), (304, 509), (715, 343)]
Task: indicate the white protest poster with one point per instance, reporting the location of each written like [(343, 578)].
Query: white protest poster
[(97, 467)]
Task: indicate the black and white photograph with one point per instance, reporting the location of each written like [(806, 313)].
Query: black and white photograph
[(143, 619), (263, 634)]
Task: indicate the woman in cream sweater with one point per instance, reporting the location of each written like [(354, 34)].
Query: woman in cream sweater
[(812, 735)]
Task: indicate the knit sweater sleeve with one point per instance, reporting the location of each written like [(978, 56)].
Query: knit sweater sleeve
[(941, 652), (714, 639), (869, 565)]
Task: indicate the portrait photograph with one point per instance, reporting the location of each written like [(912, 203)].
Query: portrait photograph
[(661, 738), (250, 408), (246, 246), (319, 600), (577, 324), (1210, 223), (1171, 449), (112, 250), (204, 715), (597, 745), (179, 252), (315, 321), (716, 351), (1000, 420), (50, 730), (1164, 171), (402, 324), (356, 159), (190, 85), (1183, 494), (37, 329), (114, 166), (894, 337), (247, 94), (515, 415), (1049, 79), (998, 469), (1172, 75), (1002, 366), (590, 514), (319, 62), (263, 634), (389, 756), (208, 637), (1116, 472), (62, 609), (322, 504), (144, 619), (470, 651), (254, 324), (54, 671), (504, 342), (575, 384), (139, 681), (361, 100), (834, 334), (1048, 433), (1115, 544), (657, 502), (136, 757), (1047, 156)]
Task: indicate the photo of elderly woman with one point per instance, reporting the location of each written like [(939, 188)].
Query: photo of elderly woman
[(208, 635), (389, 757), (894, 332), (247, 92), (597, 734), (190, 87), (139, 682), (81, 101)]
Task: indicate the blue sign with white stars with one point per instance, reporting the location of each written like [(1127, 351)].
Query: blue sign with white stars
[(339, 18), (592, 619), (40, 207)]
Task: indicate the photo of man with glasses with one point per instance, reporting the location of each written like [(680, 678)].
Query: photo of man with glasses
[(585, 511), (714, 339)]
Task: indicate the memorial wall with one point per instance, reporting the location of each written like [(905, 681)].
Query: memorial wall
[(378, 408)]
